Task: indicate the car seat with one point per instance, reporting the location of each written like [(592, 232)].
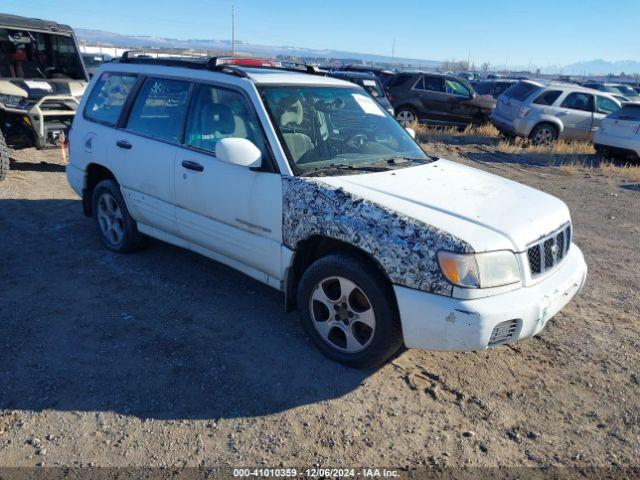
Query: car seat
[(291, 115)]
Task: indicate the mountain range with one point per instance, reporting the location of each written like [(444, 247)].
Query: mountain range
[(598, 66)]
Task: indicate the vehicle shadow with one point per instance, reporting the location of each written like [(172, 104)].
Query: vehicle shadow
[(36, 167), (164, 333), (537, 159)]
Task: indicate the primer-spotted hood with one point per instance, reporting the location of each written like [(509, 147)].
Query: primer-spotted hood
[(486, 211)]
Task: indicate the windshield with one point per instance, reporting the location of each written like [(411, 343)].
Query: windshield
[(336, 126), (623, 90), (25, 54)]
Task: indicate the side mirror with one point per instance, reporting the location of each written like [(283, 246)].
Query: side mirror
[(239, 151), (411, 132)]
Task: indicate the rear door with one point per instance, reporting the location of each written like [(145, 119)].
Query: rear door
[(511, 100), (145, 148), (431, 94), (604, 106), (576, 113)]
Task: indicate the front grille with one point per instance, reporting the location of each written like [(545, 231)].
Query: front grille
[(549, 252), (503, 332)]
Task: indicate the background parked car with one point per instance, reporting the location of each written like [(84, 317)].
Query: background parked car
[(93, 61), (369, 82), (546, 112), (628, 93), (437, 99), (619, 133), (382, 73), (493, 88)]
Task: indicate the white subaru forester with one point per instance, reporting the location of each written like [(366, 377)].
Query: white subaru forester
[(305, 183)]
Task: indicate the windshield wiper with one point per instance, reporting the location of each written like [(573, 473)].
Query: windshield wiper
[(405, 159), (348, 166)]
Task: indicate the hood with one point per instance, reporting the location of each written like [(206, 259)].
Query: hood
[(484, 210), (483, 101), (36, 88)]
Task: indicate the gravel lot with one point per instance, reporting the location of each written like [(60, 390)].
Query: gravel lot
[(167, 358)]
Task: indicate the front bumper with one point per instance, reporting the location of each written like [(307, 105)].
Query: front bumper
[(435, 322), (48, 122)]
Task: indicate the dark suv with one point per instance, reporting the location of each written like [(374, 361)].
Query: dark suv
[(437, 99), (493, 88)]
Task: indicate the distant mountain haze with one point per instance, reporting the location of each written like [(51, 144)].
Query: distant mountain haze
[(598, 66)]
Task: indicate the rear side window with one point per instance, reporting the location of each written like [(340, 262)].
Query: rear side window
[(500, 87), (397, 80), (159, 109), (521, 90), (547, 98), (628, 112), (432, 84), (108, 96), (579, 101), (605, 105)]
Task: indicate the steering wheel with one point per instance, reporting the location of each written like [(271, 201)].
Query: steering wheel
[(358, 141)]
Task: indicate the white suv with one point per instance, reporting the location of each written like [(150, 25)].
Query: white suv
[(305, 183)]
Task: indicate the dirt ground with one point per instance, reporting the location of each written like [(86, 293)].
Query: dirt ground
[(167, 358)]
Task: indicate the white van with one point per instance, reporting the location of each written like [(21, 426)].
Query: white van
[(305, 183)]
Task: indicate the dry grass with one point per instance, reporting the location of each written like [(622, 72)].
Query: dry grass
[(561, 147), (485, 133)]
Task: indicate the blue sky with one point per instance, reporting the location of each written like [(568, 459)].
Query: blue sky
[(540, 32)]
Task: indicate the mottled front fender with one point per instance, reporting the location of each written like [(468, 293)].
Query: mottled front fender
[(404, 247)]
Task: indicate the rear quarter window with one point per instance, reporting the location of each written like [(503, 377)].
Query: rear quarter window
[(547, 98), (521, 90), (108, 97)]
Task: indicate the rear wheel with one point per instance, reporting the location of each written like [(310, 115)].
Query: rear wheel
[(544, 134), (4, 158), (349, 312), (117, 229), (406, 116)]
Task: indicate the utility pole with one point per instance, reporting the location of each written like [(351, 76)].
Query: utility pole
[(393, 51), (233, 30)]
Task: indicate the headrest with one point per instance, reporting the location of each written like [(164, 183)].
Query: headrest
[(290, 111), (218, 118)]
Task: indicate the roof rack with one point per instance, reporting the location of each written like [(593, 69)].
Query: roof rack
[(216, 64), (184, 61)]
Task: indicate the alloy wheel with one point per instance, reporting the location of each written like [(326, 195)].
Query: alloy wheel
[(406, 117), (342, 314), (110, 219)]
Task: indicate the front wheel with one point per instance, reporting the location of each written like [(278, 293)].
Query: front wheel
[(349, 311)]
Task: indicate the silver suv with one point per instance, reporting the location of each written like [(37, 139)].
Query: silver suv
[(546, 112)]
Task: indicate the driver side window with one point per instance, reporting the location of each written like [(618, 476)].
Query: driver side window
[(456, 88), (218, 113)]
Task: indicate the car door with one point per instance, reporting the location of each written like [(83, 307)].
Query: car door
[(576, 113), (227, 209), (604, 106), (430, 91), (145, 147), (458, 106)]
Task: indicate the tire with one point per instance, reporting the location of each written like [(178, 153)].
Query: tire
[(116, 228), (602, 152), (337, 294), (4, 158), (544, 134), (406, 116)]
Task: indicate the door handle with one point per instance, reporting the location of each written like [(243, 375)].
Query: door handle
[(124, 144), (189, 165)]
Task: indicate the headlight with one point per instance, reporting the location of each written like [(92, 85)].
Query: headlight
[(480, 270), (11, 100)]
